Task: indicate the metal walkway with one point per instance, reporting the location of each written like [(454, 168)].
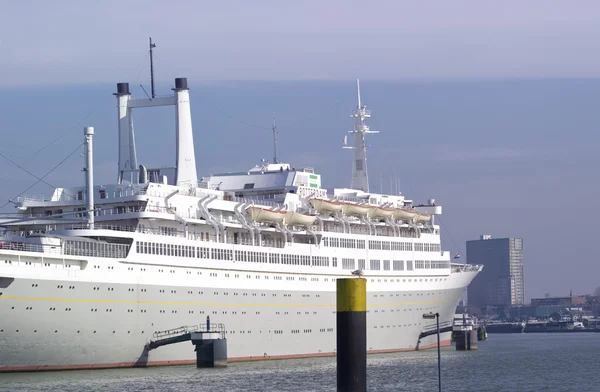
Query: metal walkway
[(183, 334), (445, 326)]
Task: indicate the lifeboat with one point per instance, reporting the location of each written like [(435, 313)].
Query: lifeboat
[(405, 215), (297, 219), (326, 207), (351, 209), (381, 213), (422, 218), (263, 215)]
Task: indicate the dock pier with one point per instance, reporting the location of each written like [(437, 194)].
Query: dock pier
[(466, 334)]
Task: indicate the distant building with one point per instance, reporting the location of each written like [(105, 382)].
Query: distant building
[(559, 301), (501, 283)]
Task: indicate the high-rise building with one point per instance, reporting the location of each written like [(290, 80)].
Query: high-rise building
[(501, 283)]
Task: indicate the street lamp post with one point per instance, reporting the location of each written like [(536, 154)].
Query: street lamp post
[(436, 316)]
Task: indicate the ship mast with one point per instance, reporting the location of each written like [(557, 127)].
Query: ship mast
[(360, 179), (152, 68), (274, 140)]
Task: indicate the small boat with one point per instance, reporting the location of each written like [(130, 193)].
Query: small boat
[(351, 209), (264, 215), (326, 207), (297, 219), (405, 215), (381, 212)]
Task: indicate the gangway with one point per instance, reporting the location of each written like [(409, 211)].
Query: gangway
[(445, 326), (183, 334), (209, 341)]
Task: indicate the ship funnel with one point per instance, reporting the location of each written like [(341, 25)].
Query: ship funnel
[(143, 174), (185, 159), (181, 83), (127, 155), (89, 174), (185, 163), (122, 88)]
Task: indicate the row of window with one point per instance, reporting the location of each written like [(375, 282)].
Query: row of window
[(276, 332), (380, 245), (153, 248), (397, 265), (94, 249), (227, 254), (275, 258), (425, 247), (344, 243), (431, 264)]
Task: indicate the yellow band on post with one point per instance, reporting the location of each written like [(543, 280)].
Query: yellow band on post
[(351, 295)]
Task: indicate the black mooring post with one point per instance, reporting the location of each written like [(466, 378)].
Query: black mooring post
[(437, 319), (351, 303)]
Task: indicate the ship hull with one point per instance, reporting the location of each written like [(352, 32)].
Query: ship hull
[(74, 324)]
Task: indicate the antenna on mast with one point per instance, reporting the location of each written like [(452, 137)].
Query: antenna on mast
[(358, 92), (152, 68), (274, 140), (360, 178)]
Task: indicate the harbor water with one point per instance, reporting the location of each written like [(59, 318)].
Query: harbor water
[(505, 362)]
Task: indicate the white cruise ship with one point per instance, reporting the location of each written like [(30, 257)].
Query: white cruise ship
[(88, 275)]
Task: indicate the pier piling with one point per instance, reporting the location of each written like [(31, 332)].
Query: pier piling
[(466, 340), (351, 305), (481, 333)]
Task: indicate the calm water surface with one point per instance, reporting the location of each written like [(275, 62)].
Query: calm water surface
[(512, 362)]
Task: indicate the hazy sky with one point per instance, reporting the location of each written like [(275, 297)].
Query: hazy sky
[(75, 41), (490, 109)]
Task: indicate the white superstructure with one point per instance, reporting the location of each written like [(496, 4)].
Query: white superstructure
[(88, 275)]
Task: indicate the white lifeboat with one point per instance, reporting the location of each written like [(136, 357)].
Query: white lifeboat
[(405, 215), (422, 218), (297, 219), (263, 215), (326, 207), (351, 209), (381, 212)]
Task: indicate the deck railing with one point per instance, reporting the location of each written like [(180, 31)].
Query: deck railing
[(465, 267)]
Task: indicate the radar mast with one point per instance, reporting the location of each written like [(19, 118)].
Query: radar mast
[(360, 179)]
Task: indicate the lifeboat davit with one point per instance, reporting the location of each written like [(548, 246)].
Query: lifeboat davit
[(381, 212), (264, 215), (351, 209), (326, 207), (297, 219), (405, 215)]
